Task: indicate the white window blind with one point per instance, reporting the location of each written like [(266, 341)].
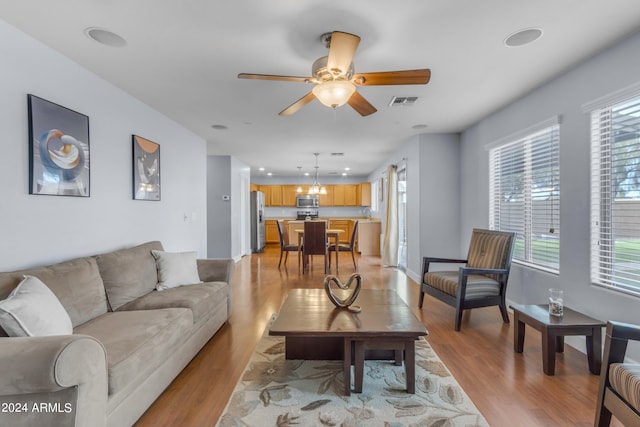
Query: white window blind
[(525, 195), (615, 196)]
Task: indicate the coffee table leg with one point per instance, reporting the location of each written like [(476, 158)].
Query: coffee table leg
[(410, 365), (358, 364), (594, 348), (346, 366), (518, 333), (559, 344), (548, 351)]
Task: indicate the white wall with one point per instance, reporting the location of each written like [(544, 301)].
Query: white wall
[(36, 230), (613, 69), (228, 234)]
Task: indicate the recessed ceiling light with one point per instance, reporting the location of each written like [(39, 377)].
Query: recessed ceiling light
[(306, 174), (219, 127), (523, 37), (269, 174), (344, 174), (261, 169), (420, 126), (347, 169), (105, 37)]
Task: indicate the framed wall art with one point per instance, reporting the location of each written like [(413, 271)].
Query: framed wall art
[(58, 150), (146, 169)]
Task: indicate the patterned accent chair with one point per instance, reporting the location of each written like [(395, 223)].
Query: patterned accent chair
[(481, 283), (619, 391)]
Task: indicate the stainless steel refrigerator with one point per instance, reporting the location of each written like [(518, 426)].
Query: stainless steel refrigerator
[(257, 221)]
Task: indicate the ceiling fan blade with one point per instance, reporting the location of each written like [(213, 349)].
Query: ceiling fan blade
[(361, 105), (275, 77), (341, 50), (293, 108), (406, 77)]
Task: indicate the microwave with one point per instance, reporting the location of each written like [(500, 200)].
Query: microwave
[(307, 201)]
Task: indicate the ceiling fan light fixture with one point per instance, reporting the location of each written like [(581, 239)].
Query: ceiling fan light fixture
[(334, 93)]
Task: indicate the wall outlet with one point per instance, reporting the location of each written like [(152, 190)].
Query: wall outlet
[(226, 198)]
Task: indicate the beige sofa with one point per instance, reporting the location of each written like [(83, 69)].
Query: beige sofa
[(129, 340)]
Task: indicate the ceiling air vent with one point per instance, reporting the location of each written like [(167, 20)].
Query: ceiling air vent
[(403, 101)]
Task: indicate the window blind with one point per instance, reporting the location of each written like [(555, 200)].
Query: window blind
[(525, 195), (615, 196)]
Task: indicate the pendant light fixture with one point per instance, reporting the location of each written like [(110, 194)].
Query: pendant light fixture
[(316, 188)]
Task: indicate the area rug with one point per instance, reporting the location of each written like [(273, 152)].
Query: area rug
[(273, 391)]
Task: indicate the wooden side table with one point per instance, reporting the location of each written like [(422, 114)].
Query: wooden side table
[(554, 329)]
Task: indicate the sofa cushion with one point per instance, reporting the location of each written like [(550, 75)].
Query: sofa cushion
[(137, 342), (625, 380), (32, 310), (176, 269), (478, 286), (76, 283), (129, 273), (201, 299)]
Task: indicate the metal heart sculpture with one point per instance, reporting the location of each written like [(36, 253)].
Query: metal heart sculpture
[(343, 303)]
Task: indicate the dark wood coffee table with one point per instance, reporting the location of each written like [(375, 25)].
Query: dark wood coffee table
[(554, 329), (314, 329)]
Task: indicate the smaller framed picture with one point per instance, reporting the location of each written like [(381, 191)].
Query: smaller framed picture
[(146, 169)]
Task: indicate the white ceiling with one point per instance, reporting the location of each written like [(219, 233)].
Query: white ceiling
[(182, 59)]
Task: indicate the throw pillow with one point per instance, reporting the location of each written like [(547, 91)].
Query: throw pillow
[(176, 269), (32, 310)]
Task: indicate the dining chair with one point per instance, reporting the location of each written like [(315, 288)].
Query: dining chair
[(350, 247), (285, 246), (314, 242)]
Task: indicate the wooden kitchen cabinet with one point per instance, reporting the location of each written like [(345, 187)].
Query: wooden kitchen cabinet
[(342, 224), (272, 195), (369, 237), (289, 195), (363, 194), (271, 232), (327, 199)]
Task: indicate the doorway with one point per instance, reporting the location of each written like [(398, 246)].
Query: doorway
[(402, 217)]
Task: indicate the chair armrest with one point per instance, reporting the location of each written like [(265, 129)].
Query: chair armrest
[(426, 261), (444, 260), (215, 270), (623, 331), (42, 365)]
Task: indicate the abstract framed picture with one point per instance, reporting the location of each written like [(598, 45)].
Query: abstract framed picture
[(146, 169), (59, 160)]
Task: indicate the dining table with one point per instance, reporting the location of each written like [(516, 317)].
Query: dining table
[(331, 234)]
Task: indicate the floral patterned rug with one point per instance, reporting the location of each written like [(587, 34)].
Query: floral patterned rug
[(277, 392)]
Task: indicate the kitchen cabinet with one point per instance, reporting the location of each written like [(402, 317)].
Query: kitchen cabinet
[(344, 195), (271, 232), (337, 194), (289, 195), (327, 199), (272, 195), (342, 224), (363, 194), (369, 237)]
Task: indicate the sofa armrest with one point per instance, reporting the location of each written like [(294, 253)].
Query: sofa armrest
[(215, 270), (42, 365), (218, 270)]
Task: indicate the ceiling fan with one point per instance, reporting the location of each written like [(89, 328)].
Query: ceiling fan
[(335, 80)]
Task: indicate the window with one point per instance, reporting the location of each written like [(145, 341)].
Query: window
[(615, 195), (525, 194)]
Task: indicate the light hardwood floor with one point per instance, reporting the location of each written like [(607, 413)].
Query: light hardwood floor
[(509, 389)]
